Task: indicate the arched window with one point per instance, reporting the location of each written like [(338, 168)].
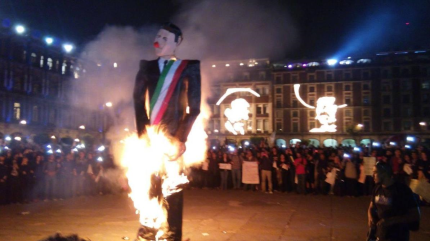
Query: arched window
[(281, 143), (349, 142), (330, 143), (314, 142)]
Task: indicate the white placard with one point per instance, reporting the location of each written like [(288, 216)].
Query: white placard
[(250, 173), (368, 164), (224, 166)]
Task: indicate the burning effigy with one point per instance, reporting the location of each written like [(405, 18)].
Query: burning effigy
[(167, 98)]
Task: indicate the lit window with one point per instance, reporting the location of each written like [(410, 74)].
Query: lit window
[(16, 110), (425, 85)]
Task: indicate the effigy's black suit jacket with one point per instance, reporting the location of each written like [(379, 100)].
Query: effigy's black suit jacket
[(187, 93)]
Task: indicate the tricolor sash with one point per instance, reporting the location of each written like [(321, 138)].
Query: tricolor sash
[(164, 90)]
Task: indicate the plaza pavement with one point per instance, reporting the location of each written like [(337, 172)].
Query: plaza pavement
[(208, 215)]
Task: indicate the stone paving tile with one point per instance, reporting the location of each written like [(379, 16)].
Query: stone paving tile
[(208, 215)]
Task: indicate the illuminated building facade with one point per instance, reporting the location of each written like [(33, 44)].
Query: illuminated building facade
[(254, 74), (385, 96), (382, 99), (36, 77)]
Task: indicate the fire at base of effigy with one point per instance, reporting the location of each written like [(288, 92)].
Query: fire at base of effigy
[(156, 175)]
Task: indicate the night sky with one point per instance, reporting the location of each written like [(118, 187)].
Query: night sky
[(325, 28)]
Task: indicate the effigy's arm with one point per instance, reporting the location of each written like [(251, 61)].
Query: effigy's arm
[(139, 98), (194, 99)]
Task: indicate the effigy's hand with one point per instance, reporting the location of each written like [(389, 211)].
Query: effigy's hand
[(180, 149)]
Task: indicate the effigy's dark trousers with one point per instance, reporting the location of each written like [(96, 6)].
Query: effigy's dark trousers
[(174, 207)]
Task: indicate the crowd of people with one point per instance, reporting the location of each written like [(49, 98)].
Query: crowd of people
[(31, 174), (308, 170), (28, 174)]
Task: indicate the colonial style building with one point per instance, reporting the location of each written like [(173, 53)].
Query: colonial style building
[(36, 79), (254, 74), (384, 98)]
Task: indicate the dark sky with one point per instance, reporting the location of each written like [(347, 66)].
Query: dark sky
[(326, 28)]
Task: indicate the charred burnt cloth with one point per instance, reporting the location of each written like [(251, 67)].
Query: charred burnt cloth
[(391, 201)]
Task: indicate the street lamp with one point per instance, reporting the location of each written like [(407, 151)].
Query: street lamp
[(23, 122), (20, 29), (108, 104), (49, 40), (82, 127)]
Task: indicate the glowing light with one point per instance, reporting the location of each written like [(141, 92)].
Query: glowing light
[(283, 146), (290, 66), (23, 122), (241, 64), (17, 138), (126, 129), (227, 65), (68, 47), (8, 138), (410, 138), (108, 104), (213, 66), (230, 91), (331, 62), (75, 150), (82, 145), (360, 125), (230, 148), (238, 113), (246, 143), (407, 23), (101, 148), (346, 62), (325, 111), (216, 130), (49, 40), (214, 147), (53, 137), (100, 159), (408, 146), (160, 152), (48, 146), (82, 127), (376, 144), (20, 29), (77, 140), (423, 124), (58, 151), (392, 143), (115, 65), (50, 151), (357, 149), (304, 65), (6, 148)]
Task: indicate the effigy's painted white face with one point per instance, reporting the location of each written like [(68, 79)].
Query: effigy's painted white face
[(165, 44)]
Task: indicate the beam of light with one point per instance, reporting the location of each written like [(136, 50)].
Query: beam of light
[(230, 91)]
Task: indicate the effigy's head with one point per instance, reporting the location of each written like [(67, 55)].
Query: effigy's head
[(167, 40)]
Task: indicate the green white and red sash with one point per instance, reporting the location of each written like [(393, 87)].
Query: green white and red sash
[(164, 90)]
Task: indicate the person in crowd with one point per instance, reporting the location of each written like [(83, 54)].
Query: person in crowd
[(213, 170), (38, 178), (26, 176), (249, 157), (310, 173), (424, 164), (276, 171), (3, 180), (67, 172), (350, 168), (224, 172), (14, 181), (50, 170), (322, 169), (290, 159), (396, 164), (284, 166), (79, 174), (300, 164), (393, 210), (266, 166), (236, 169)]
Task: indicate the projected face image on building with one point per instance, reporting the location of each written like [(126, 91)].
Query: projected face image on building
[(325, 111)]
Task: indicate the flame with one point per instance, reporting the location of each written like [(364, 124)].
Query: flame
[(238, 112), (150, 157)]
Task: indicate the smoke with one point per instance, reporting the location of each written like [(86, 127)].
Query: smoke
[(212, 30)]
